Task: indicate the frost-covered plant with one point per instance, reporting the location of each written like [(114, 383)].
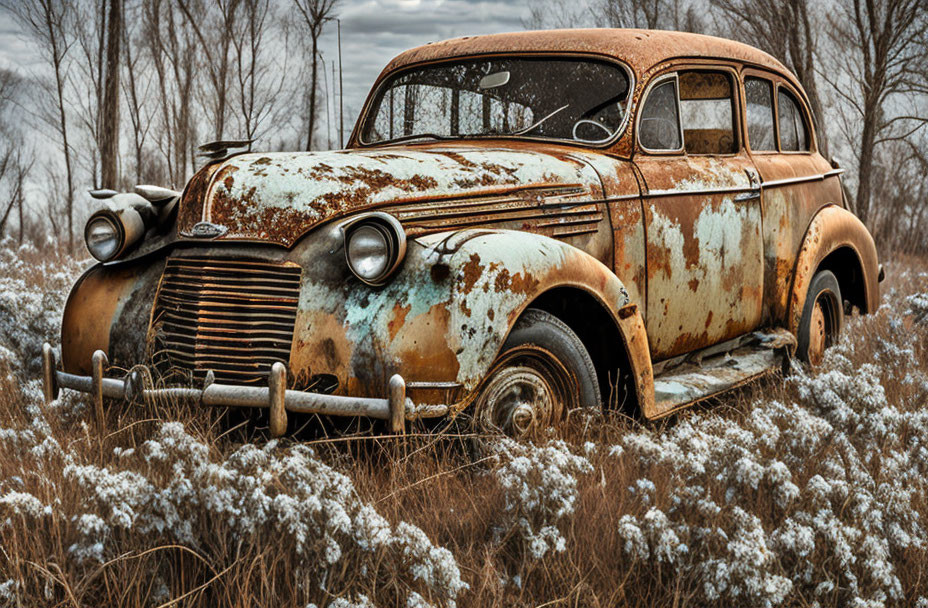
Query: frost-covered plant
[(540, 487), (32, 297), (259, 493)]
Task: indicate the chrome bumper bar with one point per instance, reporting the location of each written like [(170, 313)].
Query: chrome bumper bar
[(275, 397)]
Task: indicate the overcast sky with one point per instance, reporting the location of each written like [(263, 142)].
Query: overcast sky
[(373, 32)]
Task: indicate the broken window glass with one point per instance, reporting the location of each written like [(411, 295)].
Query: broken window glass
[(556, 98), (659, 123)]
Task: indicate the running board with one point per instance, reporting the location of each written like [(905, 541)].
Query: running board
[(686, 380)]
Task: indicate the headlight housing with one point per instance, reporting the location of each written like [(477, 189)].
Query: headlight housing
[(375, 244), (109, 233)]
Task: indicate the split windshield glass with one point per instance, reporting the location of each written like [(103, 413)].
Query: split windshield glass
[(554, 98)]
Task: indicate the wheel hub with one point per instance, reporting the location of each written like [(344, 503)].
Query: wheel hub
[(523, 394), (818, 333)]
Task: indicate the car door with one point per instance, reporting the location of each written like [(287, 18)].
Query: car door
[(796, 180), (702, 212)]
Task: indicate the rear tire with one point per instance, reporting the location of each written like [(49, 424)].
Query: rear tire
[(543, 371), (822, 318)]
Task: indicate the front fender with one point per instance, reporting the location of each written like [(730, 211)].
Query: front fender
[(831, 229), (442, 320)]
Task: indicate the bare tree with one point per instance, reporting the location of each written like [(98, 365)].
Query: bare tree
[(787, 29), (880, 72), (648, 14), (215, 44), (137, 85), (260, 76), (174, 53), (109, 124), (47, 22), (315, 14)]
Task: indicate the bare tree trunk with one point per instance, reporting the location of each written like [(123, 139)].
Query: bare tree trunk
[(864, 169), (315, 13), (314, 79), (63, 118), (110, 119)]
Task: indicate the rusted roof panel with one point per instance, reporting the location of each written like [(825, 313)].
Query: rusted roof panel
[(641, 49)]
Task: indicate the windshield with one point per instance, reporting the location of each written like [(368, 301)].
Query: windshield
[(557, 98)]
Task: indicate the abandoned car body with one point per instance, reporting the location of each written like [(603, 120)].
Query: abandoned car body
[(521, 224)]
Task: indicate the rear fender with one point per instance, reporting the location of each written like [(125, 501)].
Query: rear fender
[(831, 229)]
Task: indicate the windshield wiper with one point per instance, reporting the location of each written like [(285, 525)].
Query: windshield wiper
[(540, 122), (418, 136)]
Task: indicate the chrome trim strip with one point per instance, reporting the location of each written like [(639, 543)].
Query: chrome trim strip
[(729, 190), (804, 178), (434, 385)]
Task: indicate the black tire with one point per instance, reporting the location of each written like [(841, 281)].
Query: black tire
[(557, 375), (818, 329)]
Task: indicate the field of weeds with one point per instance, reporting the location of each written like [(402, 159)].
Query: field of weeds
[(803, 491)]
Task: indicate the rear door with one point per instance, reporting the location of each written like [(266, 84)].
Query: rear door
[(702, 212), (796, 180)]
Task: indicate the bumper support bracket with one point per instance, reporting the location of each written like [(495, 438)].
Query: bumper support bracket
[(275, 397)]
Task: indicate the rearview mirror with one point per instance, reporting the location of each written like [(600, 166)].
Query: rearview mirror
[(494, 80)]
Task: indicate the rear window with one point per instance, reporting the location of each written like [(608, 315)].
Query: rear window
[(758, 93), (793, 133)]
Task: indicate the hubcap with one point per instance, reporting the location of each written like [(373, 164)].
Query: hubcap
[(818, 333), (527, 391)]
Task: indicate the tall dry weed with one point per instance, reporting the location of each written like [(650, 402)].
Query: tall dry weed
[(803, 491)]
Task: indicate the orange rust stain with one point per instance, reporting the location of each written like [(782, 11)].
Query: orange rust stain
[(424, 351), (472, 271), (399, 317)]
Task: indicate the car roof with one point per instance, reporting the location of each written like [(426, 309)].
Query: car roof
[(640, 49)]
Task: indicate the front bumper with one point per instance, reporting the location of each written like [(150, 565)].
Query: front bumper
[(274, 397)]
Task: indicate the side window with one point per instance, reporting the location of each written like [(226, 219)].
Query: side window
[(659, 123), (758, 93), (707, 112), (793, 134)]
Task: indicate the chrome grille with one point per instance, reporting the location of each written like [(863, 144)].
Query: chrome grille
[(234, 317)]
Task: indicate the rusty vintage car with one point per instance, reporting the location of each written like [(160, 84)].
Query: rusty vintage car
[(521, 224)]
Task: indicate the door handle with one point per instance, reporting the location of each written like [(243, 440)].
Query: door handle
[(750, 195)]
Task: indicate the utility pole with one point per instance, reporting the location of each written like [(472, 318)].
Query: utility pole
[(328, 102), (341, 92)]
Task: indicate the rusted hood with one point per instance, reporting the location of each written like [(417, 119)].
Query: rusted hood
[(278, 197)]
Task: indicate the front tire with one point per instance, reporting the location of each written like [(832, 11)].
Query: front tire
[(543, 371), (822, 318)]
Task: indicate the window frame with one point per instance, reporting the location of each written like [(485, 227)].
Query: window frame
[(357, 140), (780, 80), (656, 82), (773, 113), (803, 116), (737, 105)]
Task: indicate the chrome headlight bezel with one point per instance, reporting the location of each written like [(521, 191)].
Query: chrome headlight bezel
[(374, 226), (128, 228)]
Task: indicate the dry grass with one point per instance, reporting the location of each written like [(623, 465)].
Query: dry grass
[(694, 511)]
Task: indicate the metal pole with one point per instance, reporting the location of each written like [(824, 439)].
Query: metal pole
[(341, 91), (328, 108)]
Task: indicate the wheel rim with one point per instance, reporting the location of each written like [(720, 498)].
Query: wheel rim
[(822, 327), (527, 390)]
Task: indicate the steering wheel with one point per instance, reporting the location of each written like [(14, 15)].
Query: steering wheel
[(583, 121)]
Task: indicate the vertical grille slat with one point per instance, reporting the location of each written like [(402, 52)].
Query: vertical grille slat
[(234, 317)]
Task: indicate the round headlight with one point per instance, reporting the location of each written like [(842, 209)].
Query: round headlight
[(103, 237), (109, 233), (368, 252), (374, 246)]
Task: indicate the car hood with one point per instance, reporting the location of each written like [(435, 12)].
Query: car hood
[(279, 197)]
